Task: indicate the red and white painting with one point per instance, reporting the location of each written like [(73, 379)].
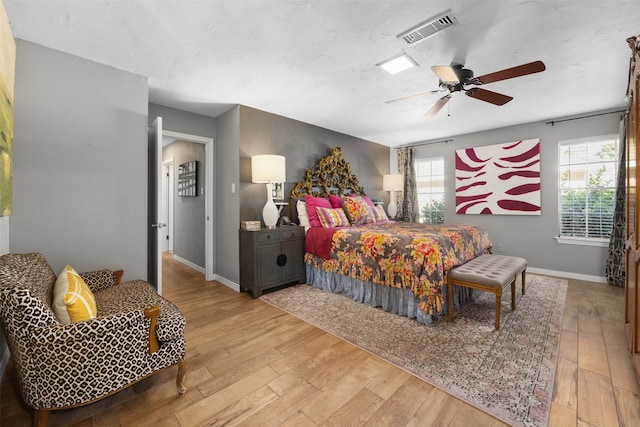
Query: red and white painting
[(501, 179)]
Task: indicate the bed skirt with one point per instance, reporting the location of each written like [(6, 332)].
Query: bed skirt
[(394, 300)]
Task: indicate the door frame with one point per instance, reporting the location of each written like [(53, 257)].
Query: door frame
[(209, 253)]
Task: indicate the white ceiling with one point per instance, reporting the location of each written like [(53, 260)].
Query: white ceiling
[(314, 60)]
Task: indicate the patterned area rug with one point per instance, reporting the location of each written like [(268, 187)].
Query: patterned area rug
[(507, 373)]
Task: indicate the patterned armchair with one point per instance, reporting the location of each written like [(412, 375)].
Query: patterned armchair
[(136, 333)]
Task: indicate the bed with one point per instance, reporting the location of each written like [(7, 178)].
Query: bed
[(351, 247)]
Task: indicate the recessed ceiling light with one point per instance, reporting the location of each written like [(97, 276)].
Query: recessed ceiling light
[(397, 64)]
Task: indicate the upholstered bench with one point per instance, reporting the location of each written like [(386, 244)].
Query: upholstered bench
[(490, 273)]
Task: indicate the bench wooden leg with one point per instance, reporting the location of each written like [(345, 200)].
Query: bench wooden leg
[(524, 279), (498, 304), (513, 294)]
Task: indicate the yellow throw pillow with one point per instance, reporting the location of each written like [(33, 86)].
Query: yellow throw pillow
[(73, 301)]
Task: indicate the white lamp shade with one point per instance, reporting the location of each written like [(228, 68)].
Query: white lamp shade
[(393, 182), (268, 168)]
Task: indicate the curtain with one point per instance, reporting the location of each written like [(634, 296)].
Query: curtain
[(615, 267), (407, 201)]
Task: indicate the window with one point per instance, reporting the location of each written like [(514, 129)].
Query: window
[(587, 196), (430, 183)]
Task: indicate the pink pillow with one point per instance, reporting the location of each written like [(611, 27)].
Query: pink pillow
[(336, 201), (311, 204), (332, 217)]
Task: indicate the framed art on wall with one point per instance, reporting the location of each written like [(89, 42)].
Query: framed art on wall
[(501, 179), (188, 179), (7, 76)]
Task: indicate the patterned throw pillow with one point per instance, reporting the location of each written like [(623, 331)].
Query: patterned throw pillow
[(357, 210), (73, 301), (379, 214), (330, 217)]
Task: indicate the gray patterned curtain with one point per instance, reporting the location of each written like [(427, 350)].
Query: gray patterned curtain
[(615, 268), (407, 201)]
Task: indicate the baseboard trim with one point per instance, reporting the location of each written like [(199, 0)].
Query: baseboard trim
[(228, 283), (189, 264), (568, 275)]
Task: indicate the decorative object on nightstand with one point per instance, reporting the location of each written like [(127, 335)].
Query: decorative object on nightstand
[(269, 169), (270, 258), (392, 183)]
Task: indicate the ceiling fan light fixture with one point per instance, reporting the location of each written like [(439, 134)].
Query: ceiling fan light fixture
[(397, 64)]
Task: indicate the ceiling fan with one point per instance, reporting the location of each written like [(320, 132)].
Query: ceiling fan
[(456, 78)]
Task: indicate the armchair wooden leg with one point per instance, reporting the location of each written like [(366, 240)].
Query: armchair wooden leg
[(41, 417), (182, 369)]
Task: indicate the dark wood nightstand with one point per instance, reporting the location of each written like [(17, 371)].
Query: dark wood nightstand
[(271, 258)]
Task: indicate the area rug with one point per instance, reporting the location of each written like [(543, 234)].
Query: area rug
[(507, 373)]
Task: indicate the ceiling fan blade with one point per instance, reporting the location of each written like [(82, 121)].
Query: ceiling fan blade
[(438, 106), (446, 73), (509, 73), (488, 96), (413, 96)]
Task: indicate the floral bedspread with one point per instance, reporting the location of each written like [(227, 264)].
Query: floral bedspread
[(404, 255)]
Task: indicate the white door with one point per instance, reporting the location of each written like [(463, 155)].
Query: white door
[(154, 246), (167, 205)]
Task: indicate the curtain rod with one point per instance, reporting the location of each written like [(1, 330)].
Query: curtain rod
[(553, 122), (417, 144)]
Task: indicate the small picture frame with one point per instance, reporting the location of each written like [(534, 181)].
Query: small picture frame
[(277, 191), (188, 179)]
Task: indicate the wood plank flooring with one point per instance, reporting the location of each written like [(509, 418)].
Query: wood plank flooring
[(251, 364)]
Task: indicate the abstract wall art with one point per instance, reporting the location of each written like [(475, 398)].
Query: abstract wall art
[(501, 179), (7, 76)]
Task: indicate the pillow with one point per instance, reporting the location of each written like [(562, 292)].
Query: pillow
[(73, 301), (330, 217), (336, 201), (379, 214), (303, 217), (311, 204), (365, 198), (357, 210)]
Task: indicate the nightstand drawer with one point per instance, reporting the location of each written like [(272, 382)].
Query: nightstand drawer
[(268, 236), (293, 233)]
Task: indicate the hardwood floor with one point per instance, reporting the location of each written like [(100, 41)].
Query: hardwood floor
[(252, 364)]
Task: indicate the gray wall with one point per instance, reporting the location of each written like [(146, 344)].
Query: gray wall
[(189, 212), (303, 145), (227, 202), (182, 121), (80, 139), (80, 156), (531, 237)]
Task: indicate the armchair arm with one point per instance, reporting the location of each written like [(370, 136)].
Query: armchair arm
[(77, 362), (102, 279)]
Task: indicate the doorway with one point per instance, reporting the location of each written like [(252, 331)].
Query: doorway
[(168, 191)]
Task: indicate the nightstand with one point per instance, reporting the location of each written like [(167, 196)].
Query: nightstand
[(270, 258)]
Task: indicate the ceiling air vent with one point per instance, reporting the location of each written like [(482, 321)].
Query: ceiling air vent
[(428, 28)]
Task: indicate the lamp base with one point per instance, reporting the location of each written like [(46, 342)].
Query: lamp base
[(270, 213), (392, 209)]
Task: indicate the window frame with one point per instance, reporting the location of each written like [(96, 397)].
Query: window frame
[(416, 166), (584, 240)]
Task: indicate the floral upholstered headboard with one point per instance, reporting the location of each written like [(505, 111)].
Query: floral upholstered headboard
[(332, 176)]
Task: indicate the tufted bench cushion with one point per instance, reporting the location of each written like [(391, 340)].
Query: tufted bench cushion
[(488, 273)]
